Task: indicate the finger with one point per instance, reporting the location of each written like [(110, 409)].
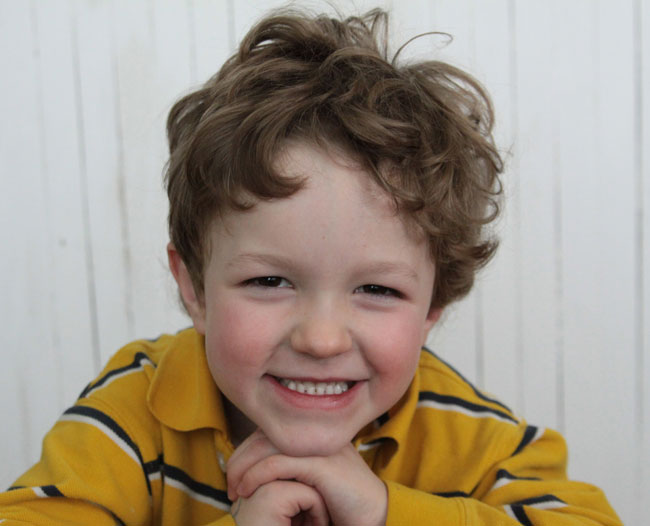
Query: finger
[(281, 503), (255, 436), (351, 491), (278, 467), (255, 448), (301, 500)]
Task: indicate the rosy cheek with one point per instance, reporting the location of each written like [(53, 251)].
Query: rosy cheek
[(241, 334), (398, 343)]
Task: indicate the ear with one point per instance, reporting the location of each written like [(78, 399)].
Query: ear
[(193, 303), (432, 318)]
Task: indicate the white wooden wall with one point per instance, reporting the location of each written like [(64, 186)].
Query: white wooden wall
[(559, 324)]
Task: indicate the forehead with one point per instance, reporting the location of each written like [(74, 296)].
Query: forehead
[(338, 195), (330, 168)]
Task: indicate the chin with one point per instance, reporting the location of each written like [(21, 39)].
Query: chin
[(304, 445)]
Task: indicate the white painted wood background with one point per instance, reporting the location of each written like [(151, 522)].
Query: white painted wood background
[(559, 324)]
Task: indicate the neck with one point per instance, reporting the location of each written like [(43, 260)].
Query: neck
[(239, 426)]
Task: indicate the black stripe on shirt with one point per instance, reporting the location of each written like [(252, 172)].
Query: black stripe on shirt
[(103, 418), (529, 434), (179, 475), (518, 507), (168, 471), (85, 390), (520, 514), (453, 400), (153, 466), (503, 474), (478, 393), (382, 419), (135, 364), (538, 500), (452, 494), (51, 491)]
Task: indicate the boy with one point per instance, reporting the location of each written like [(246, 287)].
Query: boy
[(325, 206)]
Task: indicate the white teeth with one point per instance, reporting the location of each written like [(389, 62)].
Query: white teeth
[(316, 389)]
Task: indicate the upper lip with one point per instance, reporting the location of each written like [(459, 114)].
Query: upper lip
[(300, 378)]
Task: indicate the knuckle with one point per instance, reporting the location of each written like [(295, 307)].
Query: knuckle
[(273, 462)]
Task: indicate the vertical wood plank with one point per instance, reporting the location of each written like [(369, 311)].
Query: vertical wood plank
[(73, 313), (616, 142), (153, 69), (23, 220), (534, 145), (245, 14), (105, 178), (213, 39), (500, 283), (408, 20), (597, 186), (458, 337), (643, 344), (50, 320)]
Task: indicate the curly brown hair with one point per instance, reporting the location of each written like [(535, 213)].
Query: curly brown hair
[(422, 130)]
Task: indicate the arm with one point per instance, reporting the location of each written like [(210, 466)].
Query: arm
[(529, 487), (91, 472)]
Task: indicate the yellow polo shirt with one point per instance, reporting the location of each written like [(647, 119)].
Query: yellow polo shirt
[(146, 444)]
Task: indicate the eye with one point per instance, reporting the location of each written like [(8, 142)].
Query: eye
[(379, 290), (268, 282)]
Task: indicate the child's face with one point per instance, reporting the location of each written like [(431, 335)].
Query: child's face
[(326, 286)]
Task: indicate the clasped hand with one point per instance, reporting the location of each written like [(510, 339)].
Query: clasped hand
[(273, 489)]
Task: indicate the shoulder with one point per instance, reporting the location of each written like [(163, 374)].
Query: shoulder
[(452, 408), (444, 386), (117, 399), (134, 364), (457, 432)]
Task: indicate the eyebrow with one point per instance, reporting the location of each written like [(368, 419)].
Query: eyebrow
[(389, 267), (267, 259), (377, 267)]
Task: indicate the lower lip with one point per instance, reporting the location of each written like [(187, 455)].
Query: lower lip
[(322, 402)]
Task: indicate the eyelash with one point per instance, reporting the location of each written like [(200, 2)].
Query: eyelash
[(266, 282), (379, 290), (274, 282)]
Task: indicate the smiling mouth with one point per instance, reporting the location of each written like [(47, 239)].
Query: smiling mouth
[(315, 388)]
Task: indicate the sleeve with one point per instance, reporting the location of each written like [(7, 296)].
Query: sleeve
[(91, 471), (527, 488)]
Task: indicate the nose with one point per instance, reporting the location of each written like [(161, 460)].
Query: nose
[(321, 333)]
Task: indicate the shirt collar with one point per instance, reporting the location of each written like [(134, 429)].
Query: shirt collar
[(182, 394)]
